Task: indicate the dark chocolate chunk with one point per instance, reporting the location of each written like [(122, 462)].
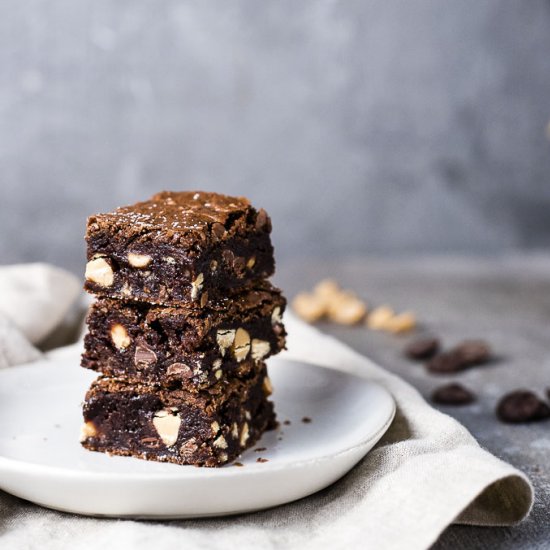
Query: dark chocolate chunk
[(144, 356), (453, 394), (448, 362), (467, 354), (422, 349), (473, 352), (522, 406)]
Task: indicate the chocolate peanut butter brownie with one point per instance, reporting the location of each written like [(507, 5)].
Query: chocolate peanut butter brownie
[(188, 347), (204, 429), (178, 248)]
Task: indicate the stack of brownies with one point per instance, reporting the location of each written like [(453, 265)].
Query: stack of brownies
[(182, 325)]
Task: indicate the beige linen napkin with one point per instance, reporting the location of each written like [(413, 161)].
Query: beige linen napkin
[(426, 473), (34, 301)]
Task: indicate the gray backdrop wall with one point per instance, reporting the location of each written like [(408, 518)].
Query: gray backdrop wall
[(362, 126)]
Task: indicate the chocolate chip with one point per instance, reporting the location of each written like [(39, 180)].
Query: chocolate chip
[(468, 353), (422, 348), (453, 394), (260, 459), (522, 406), (144, 355), (306, 420), (180, 370), (446, 362), (473, 352)]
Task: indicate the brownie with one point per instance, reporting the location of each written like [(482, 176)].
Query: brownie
[(188, 347), (178, 248), (167, 425)]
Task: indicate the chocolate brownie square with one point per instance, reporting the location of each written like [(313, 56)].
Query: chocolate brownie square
[(204, 429), (188, 347), (178, 248)]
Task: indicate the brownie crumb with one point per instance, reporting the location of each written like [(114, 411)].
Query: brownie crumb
[(287, 422), (468, 353), (522, 406), (238, 464), (260, 459), (453, 394), (306, 420), (260, 449), (422, 349)]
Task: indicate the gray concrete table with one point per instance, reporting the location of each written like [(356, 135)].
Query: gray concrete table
[(503, 300)]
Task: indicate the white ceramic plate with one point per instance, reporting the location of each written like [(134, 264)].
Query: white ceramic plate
[(42, 461)]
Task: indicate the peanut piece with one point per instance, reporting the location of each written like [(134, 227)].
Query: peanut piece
[(119, 336), (346, 309), (241, 344), (87, 430), (309, 307), (379, 317), (100, 272), (260, 348), (196, 286), (404, 322), (139, 260), (224, 339), (167, 424)]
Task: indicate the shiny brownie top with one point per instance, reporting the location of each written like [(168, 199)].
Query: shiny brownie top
[(184, 215)]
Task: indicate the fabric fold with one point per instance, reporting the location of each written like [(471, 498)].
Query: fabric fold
[(426, 473)]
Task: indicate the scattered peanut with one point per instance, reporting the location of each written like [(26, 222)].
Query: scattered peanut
[(346, 309), (309, 307), (329, 301), (404, 322), (378, 319)]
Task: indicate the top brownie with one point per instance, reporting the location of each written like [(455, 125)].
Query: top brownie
[(178, 248)]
